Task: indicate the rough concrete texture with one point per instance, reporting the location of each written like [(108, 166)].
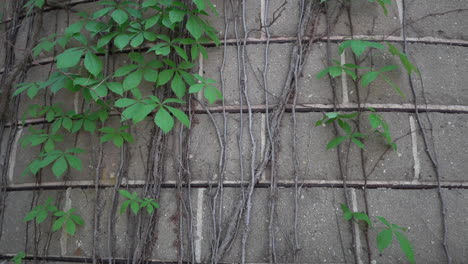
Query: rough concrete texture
[(311, 90), (313, 160), (446, 83), (279, 55), (226, 11), (432, 19), (205, 148), (367, 19), (320, 227), (451, 148)]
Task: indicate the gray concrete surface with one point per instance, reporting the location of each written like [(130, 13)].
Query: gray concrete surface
[(323, 235)]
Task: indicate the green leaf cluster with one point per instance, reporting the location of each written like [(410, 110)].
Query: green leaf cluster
[(18, 258), (358, 47), (210, 92), (136, 203), (380, 126), (68, 221), (138, 110), (117, 135), (342, 121), (40, 212), (60, 160), (387, 233)]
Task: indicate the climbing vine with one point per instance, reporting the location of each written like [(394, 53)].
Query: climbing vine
[(350, 122), (162, 40)]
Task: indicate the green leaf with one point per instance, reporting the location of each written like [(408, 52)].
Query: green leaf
[(200, 4), (347, 214), (122, 40), (405, 246), (196, 88), (137, 40), (132, 80), (374, 120), (58, 223), (93, 64), (70, 227), (18, 258), (176, 15), (125, 194), (69, 58), (358, 142), (124, 70), (165, 76), (74, 28), (67, 123), (359, 46), (118, 141), (103, 41), (384, 239), (30, 216), (409, 67), (180, 115), (212, 94), (368, 78), (397, 89), (194, 27), (150, 75), (345, 126), (119, 16), (124, 206), (150, 209), (335, 142), (124, 102), (136, 57), (138, 112), (135, 207), (74, 162), (102, 12), (334, 71), (116, 87), (77, 219), (350, 73), (383, 220), (363, 217), (41, 216), (164, 120), (178, 86), (181, 52), (59, 167)]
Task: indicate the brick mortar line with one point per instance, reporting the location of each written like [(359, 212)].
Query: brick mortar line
[(89, 184), (86, 259), (311, 108), (285, 40)]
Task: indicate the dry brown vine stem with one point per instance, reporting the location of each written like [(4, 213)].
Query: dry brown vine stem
[(14, 71), (432, 155)]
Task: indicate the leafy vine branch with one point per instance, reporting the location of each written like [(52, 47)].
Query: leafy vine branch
[(80, 69)]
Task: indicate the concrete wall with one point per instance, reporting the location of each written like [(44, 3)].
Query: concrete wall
[(402, 186)]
